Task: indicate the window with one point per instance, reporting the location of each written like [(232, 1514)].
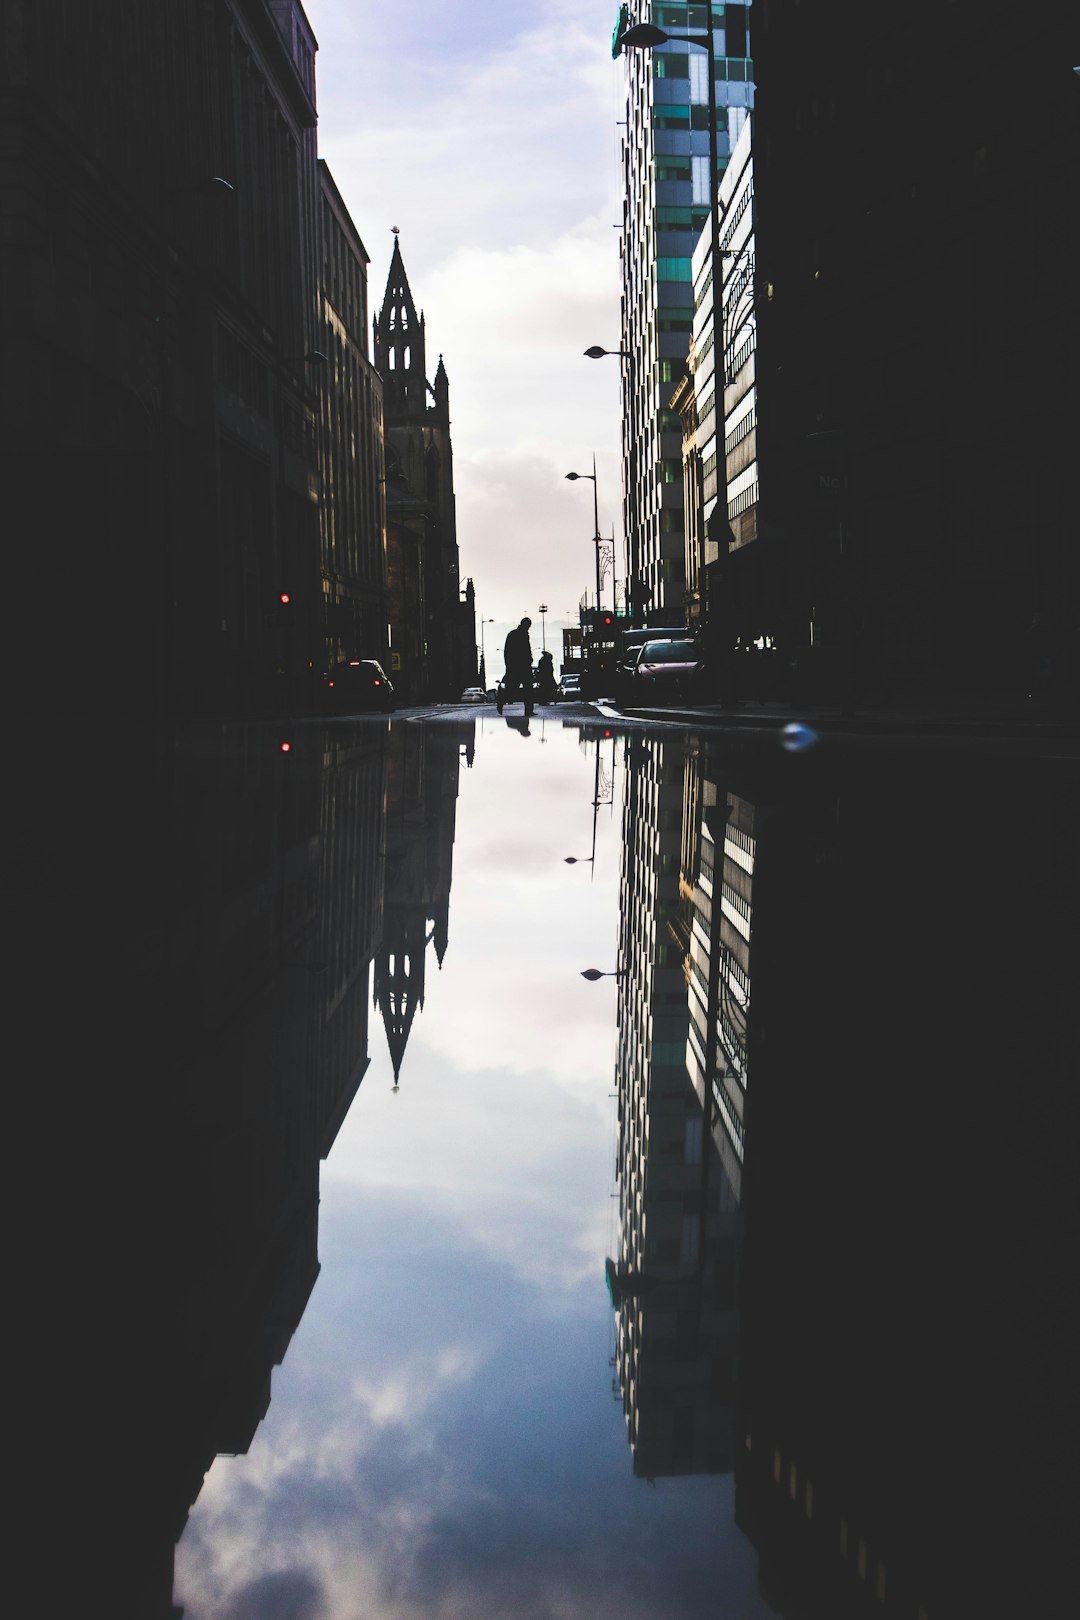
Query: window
[(735, 31), (670, 64), (699, 77), (669, 117), (673, 269), (699, 171)]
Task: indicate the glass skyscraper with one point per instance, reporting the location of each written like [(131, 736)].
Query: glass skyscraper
[(667, 194)]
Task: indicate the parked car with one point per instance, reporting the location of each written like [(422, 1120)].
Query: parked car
[(664, 672), (359, 684), (570, 686), (473, 694), (630, 644)]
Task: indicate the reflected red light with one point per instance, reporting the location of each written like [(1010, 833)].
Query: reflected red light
[(284, 597), (329, 683), (376, 681), (285, 747)]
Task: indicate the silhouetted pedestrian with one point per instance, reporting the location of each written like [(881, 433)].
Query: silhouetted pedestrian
[(517, 656), (546, 690)]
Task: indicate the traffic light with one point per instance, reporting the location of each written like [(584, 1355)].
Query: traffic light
[(283, 612)]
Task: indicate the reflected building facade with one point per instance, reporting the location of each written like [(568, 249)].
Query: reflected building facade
[(673, 1287), (223, 929)]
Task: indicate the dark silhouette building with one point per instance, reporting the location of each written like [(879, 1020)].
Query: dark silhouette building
[(916, 276), (183, 325)]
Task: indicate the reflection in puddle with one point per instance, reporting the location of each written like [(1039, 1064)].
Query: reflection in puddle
[(371, 1143)]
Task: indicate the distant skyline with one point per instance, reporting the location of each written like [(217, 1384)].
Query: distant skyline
[(489, 136)]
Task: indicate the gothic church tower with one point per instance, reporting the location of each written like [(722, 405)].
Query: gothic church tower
[(432, 628)]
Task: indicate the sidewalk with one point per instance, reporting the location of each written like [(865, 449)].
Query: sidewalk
[(951, 717)]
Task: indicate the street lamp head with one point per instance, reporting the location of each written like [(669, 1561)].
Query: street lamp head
[(643, 36), (573, 476)]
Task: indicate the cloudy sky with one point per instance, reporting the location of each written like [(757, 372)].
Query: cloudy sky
[(489, 135)]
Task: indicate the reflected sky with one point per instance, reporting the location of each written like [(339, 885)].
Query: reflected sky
[(443, 1436), (402, 1271)]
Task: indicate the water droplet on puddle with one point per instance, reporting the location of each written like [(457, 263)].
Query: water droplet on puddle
[(797, 738)]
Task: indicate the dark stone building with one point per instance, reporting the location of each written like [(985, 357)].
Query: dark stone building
[(433, 631), (183, 344), (917, 376), (352, 506)]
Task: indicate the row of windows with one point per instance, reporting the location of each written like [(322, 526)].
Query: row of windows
[(738, 358), (702, 291), (742, 427), (743, 501), (730, 1117), (709, 465), (734, 972), (681, 65), (669, 217), (738, 901), (669, 115), (861, 1553), (735, 838), (732, 221)]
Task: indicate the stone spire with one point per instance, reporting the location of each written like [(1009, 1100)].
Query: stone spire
[(399, 345), (441, 394)]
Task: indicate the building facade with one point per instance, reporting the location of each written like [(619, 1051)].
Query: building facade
[(668, 192), (352, 506)]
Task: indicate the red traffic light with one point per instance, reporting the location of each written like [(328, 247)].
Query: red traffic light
[(284, 597)]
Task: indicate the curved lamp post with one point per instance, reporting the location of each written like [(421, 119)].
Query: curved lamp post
[(483, 664), (596, 521), (596, 973)]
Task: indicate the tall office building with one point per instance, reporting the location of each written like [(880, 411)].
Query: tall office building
[(666, 203)]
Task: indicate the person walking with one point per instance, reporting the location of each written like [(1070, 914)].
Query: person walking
[(517, 656)]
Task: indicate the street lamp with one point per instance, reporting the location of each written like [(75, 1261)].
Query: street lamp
[(543, 632), (596, 351), (596, 521), (483, 663), (595, 973), (643, 36), (310, 357)]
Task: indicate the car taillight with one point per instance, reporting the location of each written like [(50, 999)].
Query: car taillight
[(329, 683), (376, 681)]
